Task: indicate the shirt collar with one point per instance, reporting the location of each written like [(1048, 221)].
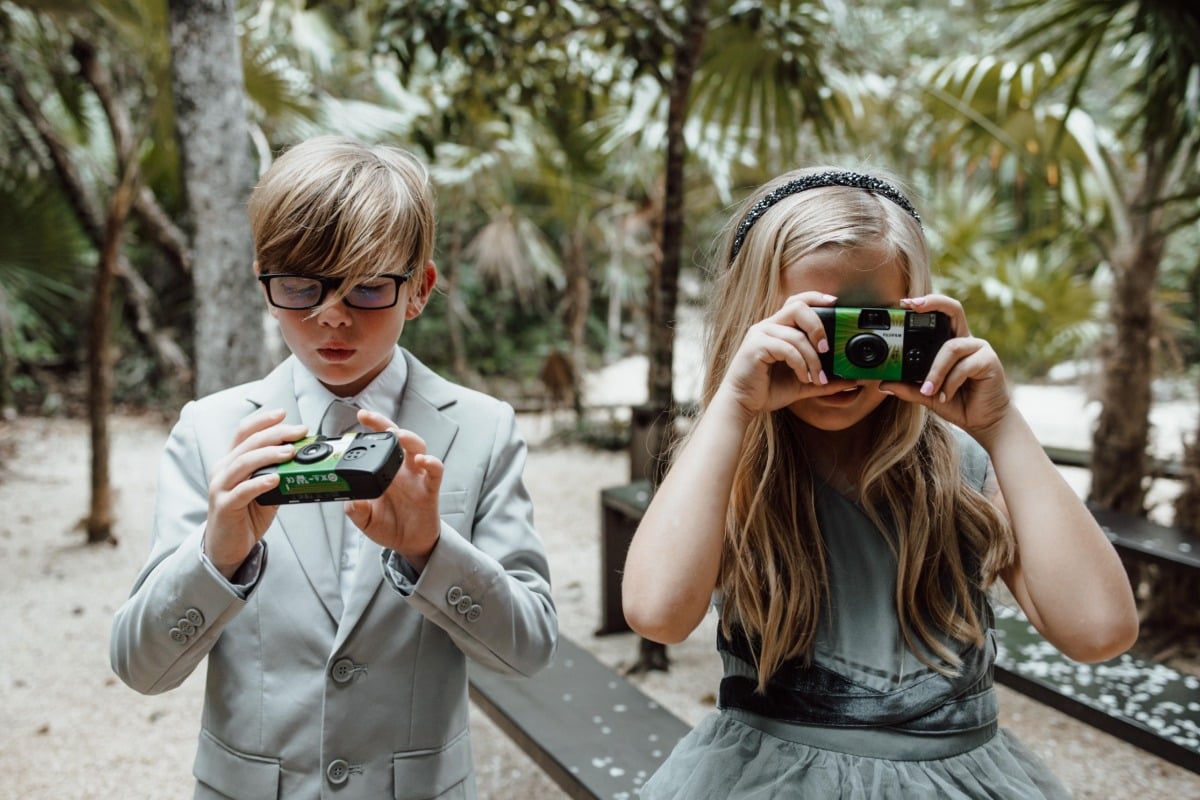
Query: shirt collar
[(381, 395)]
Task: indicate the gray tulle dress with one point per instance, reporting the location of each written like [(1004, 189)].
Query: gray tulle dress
[(867, 719)]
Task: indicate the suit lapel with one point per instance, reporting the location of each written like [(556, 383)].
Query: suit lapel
[(304, 525), (420, 411)]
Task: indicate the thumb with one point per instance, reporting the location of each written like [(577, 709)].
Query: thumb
[(359, 512)]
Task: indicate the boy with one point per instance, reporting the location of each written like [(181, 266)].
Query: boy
[(321, 680)]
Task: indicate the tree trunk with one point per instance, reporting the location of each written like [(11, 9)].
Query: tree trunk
[(455, 307), (664, 282), (1120, 459), (218, 174), (100, 516), (8, 359), (1122, 435), (575, 313)]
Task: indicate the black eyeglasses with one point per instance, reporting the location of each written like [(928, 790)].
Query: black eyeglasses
[(302, 292)]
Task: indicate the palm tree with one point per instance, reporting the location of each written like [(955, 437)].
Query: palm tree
[(1156, 47)]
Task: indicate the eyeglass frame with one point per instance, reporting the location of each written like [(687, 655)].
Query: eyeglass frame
[(332, 284)]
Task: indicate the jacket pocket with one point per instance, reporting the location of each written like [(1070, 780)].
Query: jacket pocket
[(235, 774), (443, 773)]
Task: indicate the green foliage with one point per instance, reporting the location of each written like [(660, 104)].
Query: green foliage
[(506, 340), (41, 267), (543, 123), (1029, 305), (1026, 295)]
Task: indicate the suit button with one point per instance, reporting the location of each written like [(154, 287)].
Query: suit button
[(464, 604), (454, 595), (185, 626), (343, 670), (178, 636), (338, 771), (194, 616), (474, 612)]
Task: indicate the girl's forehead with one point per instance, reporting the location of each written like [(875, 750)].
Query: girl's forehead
[(857, 276)]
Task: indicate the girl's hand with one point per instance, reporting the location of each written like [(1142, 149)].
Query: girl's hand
[(966, 383), (405, 517), (779, 360), (235, 521)]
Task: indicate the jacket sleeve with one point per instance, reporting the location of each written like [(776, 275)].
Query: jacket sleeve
[(489, 587), (179, 603)]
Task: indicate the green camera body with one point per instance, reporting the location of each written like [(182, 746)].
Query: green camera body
[(354, 466), (882, 344)]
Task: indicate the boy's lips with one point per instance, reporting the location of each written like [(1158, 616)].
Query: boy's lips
[(335, 352)]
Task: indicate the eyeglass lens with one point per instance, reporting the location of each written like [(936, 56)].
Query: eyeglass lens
[(298, 292)]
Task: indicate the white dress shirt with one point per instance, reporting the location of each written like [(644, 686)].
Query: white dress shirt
[(382, 396)]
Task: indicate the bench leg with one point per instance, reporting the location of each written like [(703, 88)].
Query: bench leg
[(615, 537)]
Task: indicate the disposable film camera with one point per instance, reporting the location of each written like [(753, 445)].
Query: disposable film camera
[(882, 344), (354, 466)]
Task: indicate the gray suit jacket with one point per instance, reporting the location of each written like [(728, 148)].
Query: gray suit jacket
[(306, 698)]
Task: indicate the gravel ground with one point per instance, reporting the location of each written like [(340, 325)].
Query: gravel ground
[(70, 729)]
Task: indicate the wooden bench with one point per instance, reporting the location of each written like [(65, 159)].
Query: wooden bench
[(1135, 537), (1148, 705), (1144, 540), (593, 732)]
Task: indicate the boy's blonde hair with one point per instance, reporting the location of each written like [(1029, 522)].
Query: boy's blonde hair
[(948, 538), (335, 207)]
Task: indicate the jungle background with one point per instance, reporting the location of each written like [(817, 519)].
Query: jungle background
[(586, 155)]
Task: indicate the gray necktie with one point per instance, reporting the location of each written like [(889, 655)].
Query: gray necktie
[(339, 418)]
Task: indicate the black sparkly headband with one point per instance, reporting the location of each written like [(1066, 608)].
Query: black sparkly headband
[(817, 180)]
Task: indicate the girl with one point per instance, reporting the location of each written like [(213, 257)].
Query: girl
[(847, 530)]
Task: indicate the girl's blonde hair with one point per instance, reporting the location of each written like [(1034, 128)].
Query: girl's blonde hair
[(946, 535), (335, 207)]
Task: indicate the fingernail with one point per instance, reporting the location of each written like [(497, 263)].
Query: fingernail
[(830, 297), (821, 379), (823, 346), (927, 388), (942, 397)]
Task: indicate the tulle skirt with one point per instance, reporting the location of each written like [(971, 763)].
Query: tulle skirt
[(724, 758)]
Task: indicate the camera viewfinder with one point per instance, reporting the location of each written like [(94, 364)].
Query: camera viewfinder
[(874, 319)]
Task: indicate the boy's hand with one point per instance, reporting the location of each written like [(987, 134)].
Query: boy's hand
[(235, 521), (405, 517)]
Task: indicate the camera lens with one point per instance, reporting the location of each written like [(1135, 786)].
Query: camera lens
[(866, 350), (313, 452)]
